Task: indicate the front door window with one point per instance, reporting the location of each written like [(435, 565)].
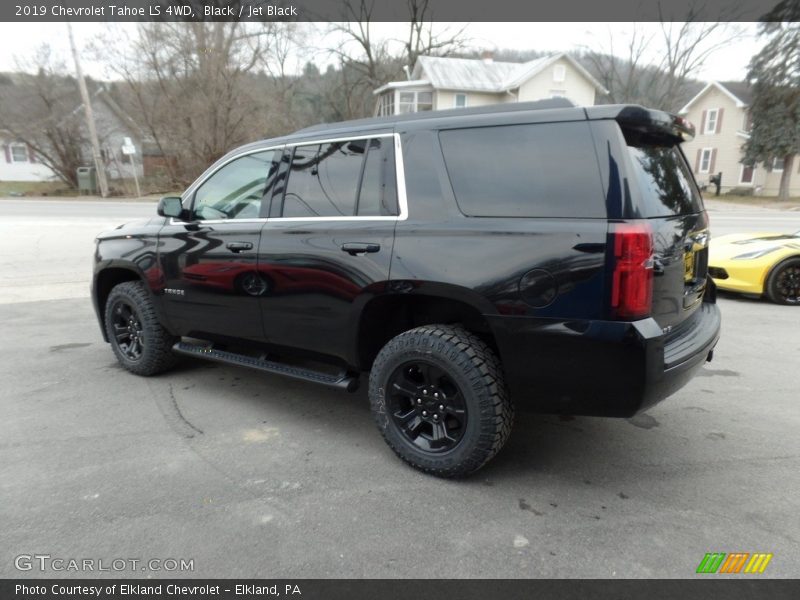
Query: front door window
[(237, 189)]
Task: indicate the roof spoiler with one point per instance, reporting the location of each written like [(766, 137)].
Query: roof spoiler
[(650, 122)]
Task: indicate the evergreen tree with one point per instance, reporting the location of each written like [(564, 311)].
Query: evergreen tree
[(774, 74)]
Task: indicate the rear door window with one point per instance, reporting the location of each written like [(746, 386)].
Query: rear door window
[(538, 170), (323, 181), (342, 179)]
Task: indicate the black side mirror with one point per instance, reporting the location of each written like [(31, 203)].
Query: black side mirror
[(170, 206)]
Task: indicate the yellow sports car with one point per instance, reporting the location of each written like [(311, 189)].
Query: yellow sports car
[(758, 263)]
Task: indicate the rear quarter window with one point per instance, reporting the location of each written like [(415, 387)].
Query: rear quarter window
[(541, 170)]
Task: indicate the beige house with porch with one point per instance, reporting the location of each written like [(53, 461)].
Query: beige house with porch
[(438, 83), (720, 113)]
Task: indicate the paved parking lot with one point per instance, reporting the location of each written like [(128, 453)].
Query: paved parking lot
[(252, 475)]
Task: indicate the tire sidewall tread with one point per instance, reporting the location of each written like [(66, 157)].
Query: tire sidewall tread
[(157, 355), (475, 368), (769, 288)]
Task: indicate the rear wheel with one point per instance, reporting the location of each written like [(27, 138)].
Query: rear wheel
[(138, 339), (438, 397), (783, 283)]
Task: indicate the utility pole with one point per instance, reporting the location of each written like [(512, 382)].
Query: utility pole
[(98, 160)]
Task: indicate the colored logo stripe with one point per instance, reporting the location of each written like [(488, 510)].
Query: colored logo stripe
[(734, 562), (758, 563), (711, 562), (721, 562)]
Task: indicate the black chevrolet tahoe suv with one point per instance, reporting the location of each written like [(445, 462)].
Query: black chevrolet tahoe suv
[(536, 253)]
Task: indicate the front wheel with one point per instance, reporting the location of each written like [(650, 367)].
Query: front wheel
[(438, 397), (783, 283), (138, 339)]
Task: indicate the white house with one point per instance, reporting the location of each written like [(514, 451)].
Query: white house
[(19, 163), (437, 83), (720, 113)]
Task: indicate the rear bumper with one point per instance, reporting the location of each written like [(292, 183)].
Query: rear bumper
[(602, 368)]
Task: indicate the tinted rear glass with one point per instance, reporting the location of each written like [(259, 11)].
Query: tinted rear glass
[(377, 196), (543, 170), (665, 181)]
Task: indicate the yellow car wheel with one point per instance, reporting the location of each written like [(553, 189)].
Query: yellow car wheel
[(783, 283)]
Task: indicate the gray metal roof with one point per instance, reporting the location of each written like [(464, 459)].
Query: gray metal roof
[(470, 74), (738, 91), (741, 89), (473, 75)]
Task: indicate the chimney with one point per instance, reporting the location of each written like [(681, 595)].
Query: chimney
[(487, 56)]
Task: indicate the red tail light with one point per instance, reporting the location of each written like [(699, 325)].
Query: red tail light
[(632, 281)]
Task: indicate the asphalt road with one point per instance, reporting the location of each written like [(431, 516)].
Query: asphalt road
[(252, 475)]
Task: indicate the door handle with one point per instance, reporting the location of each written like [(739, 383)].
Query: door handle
[(353, 248), (237, 247)]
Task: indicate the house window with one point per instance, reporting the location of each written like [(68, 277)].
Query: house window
[(558, 93), (777, 164), (407, 102), (559, 73), (415, 102), (386, 105), (424, 101), (747, 174), (711, 121), (19, 153), (460, 101), (705, 160)]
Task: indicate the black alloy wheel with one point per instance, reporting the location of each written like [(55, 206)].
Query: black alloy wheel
[(438, 397), (129, 334), (783, 284), (426, 406)]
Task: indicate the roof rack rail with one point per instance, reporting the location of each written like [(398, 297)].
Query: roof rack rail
[(548, 103)]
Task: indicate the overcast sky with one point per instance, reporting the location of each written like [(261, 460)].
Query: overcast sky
[(21, 39)]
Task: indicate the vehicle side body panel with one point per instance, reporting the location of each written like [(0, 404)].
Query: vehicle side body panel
[(129, 252), (537, 287)]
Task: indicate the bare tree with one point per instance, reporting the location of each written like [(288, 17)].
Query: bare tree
[(367, 61), (190, 86), (41, 111), (622, 70), (656, 66), (424, 38), (281, 58), (687, 46)]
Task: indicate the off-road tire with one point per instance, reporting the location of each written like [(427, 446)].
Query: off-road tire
[(156, 348), (475, 369), (771, 287)]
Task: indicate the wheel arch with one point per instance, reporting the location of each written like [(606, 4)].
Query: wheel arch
[(111, 275), (383, 317)]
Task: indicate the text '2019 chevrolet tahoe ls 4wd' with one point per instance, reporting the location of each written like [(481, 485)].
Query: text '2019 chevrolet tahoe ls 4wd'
[(539, 253)]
